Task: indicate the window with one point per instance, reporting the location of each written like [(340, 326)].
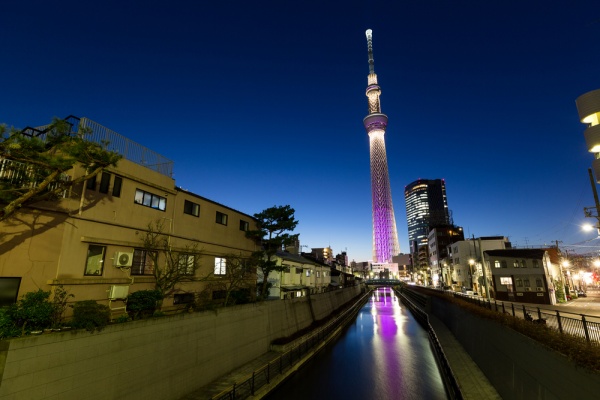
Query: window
[(535, 263), (523, 264), (221, 218), (308, 271), (187, 264), (519, 282), (150, 200), (318, 274), (497, 264), (220, 266), (191, 208), (183, 298), (117, 186), (9, 289), (538, 282), (95, 260), (526, 282), (142, 264), (516, 264), (244, 226), (286, 270), (91, 183), (503, 264), (104, 182), (504, 280)]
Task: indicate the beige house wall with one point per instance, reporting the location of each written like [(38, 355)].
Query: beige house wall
[(47, 245)]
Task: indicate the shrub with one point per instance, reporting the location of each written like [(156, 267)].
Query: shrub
[(59, 305), (143, 303), (33, 312), (90, 315), (8, 329)]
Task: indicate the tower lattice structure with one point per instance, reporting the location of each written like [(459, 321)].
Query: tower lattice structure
[(385, 235)]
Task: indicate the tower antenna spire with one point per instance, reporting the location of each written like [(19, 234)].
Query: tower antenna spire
[(369, 34)]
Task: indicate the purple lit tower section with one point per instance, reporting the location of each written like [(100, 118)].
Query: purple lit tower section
[(385, 236)]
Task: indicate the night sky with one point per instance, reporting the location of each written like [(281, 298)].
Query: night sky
[(260, 103)]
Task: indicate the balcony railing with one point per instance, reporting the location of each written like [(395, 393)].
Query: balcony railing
[(23, 175)]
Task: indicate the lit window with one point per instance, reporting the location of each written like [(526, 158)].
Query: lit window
[(516, 264), (523, 264), (497, 264), (221, 218), (150, 200), (191, 208), (220, 266), (95, 260), (505, 280)]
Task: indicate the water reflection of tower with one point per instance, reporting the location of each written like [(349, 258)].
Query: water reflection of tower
[(385, 235)]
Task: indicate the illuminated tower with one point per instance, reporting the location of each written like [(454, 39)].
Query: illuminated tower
[(385, 236)]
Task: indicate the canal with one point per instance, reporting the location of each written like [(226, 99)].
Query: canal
[(384, 354)]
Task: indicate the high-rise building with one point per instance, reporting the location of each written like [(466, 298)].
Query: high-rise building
[(426, 207), (385, 235)]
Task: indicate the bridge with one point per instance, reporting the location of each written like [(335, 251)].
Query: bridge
[(382, 282)]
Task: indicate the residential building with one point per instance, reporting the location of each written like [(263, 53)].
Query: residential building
[(299, 276), (91, 240), (523, 275), (439, 238), (465, 266)]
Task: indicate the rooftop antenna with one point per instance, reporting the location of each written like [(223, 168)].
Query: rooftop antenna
[(369, 34)]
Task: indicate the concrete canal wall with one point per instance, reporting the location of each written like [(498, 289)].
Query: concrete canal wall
[(162, 358), (518, 367)]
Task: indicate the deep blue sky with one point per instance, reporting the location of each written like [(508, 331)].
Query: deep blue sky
[(261, 103)]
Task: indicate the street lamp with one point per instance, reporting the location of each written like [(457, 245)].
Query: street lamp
[(471, 272)]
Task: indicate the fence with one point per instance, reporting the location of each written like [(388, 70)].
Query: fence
[(112, 141), (263, 375), (575, 324)]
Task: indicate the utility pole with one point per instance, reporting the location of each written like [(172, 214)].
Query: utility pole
[(485, 281)]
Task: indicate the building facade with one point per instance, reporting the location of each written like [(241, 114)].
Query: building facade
[(439, 238), (523, 275), (92, 240), (426, 207)]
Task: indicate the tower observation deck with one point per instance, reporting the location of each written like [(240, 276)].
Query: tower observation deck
[(385, 235)]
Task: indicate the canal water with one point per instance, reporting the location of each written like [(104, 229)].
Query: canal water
[(385, 354)]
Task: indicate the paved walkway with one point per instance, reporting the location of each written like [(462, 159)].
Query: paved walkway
[(472, 382), (227, 381)]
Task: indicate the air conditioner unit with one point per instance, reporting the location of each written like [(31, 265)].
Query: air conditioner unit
[(123, 259), (528, 289), (117, 292)]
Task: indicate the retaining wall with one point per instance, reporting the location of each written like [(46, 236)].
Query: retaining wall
[(162, 358), (518, 367)]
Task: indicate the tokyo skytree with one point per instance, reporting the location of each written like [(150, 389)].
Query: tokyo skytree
[(385, 235)]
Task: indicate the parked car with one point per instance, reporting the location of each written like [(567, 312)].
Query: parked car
[(581, 293)]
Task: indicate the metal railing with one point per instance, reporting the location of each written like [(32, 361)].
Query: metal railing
[(262, 376), (24, 175), (111, 141), (565, 322)]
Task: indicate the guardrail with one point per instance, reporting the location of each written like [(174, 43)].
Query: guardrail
[(262, 376), (421, 316)]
